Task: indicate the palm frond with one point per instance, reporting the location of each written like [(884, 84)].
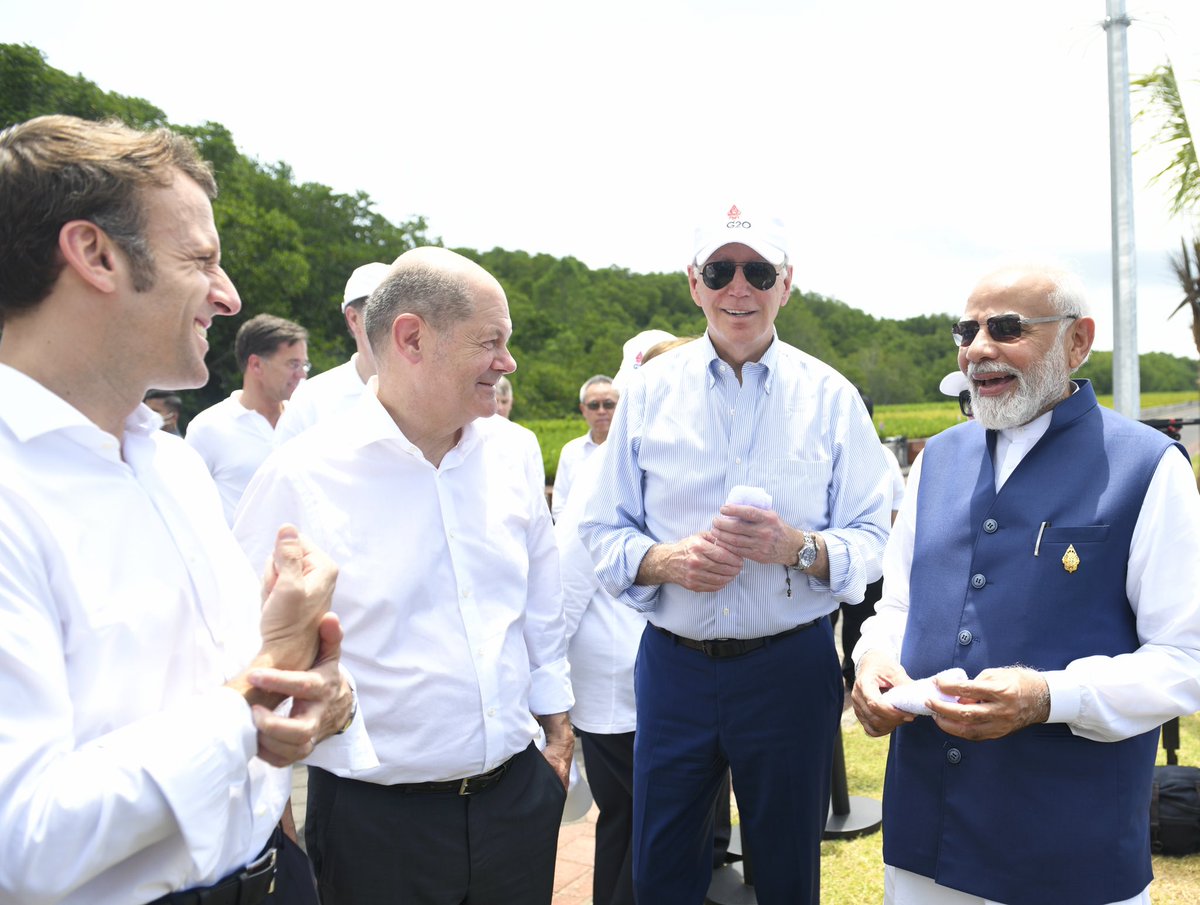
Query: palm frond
[(1163, 104)]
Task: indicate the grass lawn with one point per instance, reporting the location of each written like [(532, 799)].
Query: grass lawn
[(852, 870)]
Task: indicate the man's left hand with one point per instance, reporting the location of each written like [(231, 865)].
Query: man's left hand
[(321, 702), (996, 703), (757, 534), (560, 745)]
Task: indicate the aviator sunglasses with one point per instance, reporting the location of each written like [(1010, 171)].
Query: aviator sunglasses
[(759, 274), (1003, 328)]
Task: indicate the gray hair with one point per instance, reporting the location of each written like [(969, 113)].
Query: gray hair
[(437, 296), (1068, 295), (503, 388), (591, 382)]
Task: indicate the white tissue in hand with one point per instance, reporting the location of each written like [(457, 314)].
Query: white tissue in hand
[(742, 495), (911, 698)]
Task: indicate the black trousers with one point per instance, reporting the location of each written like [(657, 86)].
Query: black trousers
[(609, 763), (386, 845)]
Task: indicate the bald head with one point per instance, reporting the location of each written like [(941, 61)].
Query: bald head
[(436, 284)]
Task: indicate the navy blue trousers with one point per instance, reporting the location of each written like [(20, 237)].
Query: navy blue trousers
[(770, 716)]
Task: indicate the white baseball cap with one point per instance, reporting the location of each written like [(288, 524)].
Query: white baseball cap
[(756, 228), (363, 281), (632, 352), (954, 383)]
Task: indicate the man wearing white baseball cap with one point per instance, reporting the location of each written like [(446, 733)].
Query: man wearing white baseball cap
[(737, 667), (337, 389)]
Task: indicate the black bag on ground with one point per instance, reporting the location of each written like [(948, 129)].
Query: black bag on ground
[(1175, 811)]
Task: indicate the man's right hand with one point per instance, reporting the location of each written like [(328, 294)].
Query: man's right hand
[(876, 673), (297, 591), (697, 563)]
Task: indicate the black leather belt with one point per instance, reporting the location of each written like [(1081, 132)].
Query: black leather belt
[(468, 785), (723, 648), (249, 886)]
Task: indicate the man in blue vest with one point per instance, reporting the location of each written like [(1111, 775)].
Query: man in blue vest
[(1051, 550)]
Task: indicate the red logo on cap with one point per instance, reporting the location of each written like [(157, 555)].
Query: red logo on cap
[(734, 213)]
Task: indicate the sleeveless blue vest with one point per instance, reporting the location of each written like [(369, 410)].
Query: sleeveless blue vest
[(1041, 817)]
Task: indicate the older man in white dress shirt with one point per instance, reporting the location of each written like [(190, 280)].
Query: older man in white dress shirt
[(137, 687), (450, 593)]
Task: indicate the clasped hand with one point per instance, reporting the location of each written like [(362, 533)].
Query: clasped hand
[(996, 703), (757, 534)]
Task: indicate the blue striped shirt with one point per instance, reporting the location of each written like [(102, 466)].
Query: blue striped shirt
[(686, 431)]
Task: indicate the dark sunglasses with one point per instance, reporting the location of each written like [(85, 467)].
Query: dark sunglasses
[(1003, 328), (595, 405), (719, 274)]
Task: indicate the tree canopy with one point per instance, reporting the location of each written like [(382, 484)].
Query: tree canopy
[(290, 247)]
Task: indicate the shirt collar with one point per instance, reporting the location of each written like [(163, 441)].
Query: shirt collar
[(32, 411), (767, 361), (371, 423)]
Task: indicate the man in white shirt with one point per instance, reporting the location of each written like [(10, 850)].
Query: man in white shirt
[(450, 593), (138, 747), (1051, 550), (597, 401), (337, 389), (235, 435)]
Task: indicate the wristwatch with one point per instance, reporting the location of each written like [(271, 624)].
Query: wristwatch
[(353, 713), (806, 555)]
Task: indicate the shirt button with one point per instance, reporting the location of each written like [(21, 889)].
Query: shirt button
[(978, 580), (965, 637), (953, 756), (738, 460), (491, 711), (466, 592), (725, 611), (990, 526)]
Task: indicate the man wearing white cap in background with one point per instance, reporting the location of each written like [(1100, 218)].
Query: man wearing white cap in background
[(737, 668), (337, 389)]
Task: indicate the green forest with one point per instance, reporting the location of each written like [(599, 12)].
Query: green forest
[(289, 247)]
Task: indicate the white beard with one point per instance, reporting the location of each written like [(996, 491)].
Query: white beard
[(1038, 389)]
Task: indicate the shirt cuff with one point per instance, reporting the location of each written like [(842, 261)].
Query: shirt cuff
[(199, 758), (349, 752), (550, 688), (1065, 697)]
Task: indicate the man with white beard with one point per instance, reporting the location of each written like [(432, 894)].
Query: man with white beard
[(1051, 551)]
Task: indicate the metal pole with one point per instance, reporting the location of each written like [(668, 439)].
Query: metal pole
[(1126, 381)]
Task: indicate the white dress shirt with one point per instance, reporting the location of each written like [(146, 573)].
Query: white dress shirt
[(574, 453), (603, 634), (1100, 698), (686, 432), (126, 769), (897, 474), (318, 397), (233, 441), (448, 588)]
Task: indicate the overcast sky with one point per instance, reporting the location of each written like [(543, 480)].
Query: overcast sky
[(909, 146)]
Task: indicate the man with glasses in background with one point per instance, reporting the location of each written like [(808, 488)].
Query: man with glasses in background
[(737, 668), (597, 401), (1051, 550), (234, 436)]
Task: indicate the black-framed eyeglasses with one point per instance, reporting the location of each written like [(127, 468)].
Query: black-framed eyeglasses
[(759, 274), (1002, 328), (596, 404)]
